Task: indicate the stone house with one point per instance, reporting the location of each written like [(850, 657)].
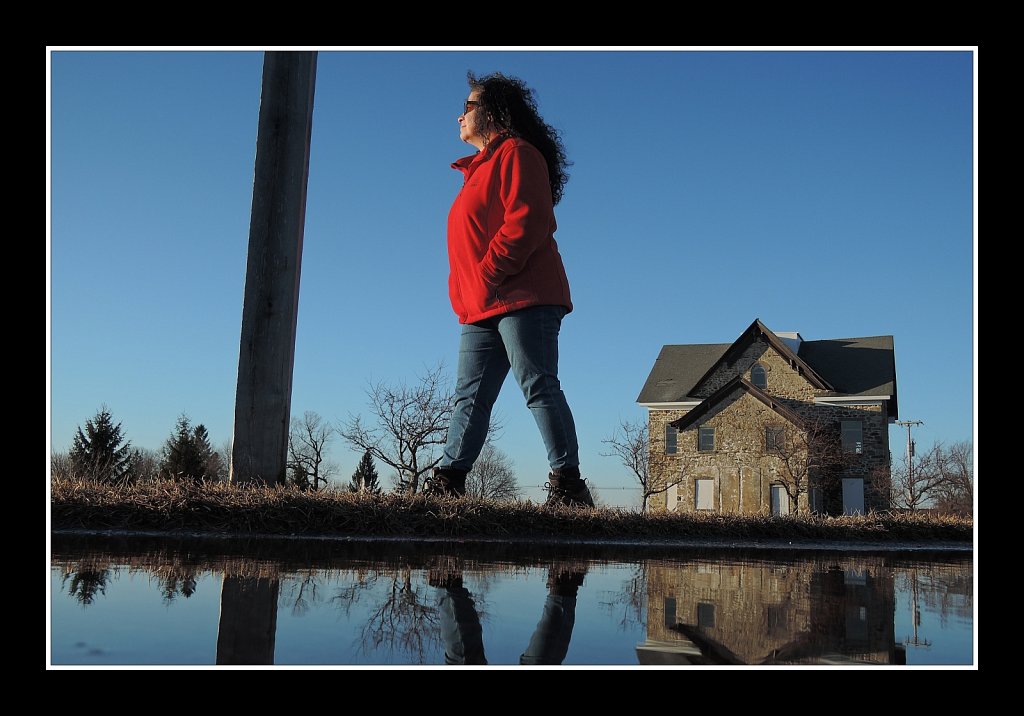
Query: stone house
[(772, 423), (814, 611)]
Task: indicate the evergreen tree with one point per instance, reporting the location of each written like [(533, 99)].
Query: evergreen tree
[(100, 452), (365, 478), (187, 454)]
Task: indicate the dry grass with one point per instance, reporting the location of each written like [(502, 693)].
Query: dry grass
[(226, 509)]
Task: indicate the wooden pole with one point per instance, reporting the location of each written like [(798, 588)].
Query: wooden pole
[(270, 309)]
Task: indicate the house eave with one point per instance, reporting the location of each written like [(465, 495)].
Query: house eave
[(671, 406), (853, 399)]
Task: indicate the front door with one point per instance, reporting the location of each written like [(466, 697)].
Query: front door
[(853, 496)]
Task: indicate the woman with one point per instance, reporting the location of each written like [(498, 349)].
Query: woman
[(507, 283)]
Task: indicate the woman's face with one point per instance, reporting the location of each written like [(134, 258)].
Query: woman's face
[(473, 125)]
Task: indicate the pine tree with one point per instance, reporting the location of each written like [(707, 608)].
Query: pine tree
[(187, 454), (101, 452), (365, 478)]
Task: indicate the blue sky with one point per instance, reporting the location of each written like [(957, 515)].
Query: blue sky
[(825, 192)]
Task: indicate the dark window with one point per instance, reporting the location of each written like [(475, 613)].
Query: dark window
[(774, 439), (670, 440), (705, 615), (706, 439), (853, 436), (670, 611), (759, 376)]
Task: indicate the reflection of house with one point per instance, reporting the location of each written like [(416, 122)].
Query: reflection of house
[(771, 421), (773, 613)]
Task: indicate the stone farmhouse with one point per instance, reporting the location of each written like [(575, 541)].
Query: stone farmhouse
[(772, 423)]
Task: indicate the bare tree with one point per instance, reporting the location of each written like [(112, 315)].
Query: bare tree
[(631, 444), (492, 476), (307, 445), (630, 600), (955, 468), (61, 466), (814, 449), (407, 425), (595, 495), (145, 465), (403, 621), (916, 480)]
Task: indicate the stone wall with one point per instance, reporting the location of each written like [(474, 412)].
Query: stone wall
[(784, 381), (741, 471), (661, 465)]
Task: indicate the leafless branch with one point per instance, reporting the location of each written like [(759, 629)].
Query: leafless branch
[(407, 424)]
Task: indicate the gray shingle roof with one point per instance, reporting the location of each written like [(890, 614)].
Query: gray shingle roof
[(854, 366), (677, 370)]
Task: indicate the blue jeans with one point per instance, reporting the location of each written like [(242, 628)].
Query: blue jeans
[(525, 342), (463, 635), (550, 641), (460, 628)]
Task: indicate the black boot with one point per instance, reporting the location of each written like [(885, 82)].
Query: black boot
[(445, 482), (567, 488)]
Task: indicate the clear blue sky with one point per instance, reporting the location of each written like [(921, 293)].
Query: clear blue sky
[(824, 192)]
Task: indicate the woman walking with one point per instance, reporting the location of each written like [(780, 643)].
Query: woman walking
[(507, 283)]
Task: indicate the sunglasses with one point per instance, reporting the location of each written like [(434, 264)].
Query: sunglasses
[(471, 104)]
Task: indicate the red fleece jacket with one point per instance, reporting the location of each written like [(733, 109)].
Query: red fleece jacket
[(501, 243)]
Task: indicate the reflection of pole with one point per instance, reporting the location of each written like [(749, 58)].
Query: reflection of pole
[(915, 615), (248, 621)]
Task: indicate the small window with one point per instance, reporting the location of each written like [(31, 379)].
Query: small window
[(774, 439), (759, 376), (705, 494), (670, 440), (705, 615), (670, 611), (706, 439), (853, 436)]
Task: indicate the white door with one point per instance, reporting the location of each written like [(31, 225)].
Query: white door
[(853, 496), (705, 494), (780, 500), (672, 498)]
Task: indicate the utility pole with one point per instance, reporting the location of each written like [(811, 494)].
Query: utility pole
[(910, 447), (270, 308)]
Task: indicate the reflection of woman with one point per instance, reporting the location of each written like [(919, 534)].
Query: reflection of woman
[(463, 635), (507, 283)]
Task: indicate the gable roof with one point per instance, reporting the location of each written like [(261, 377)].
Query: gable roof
[(736, 384), (839, 366), (677, 370), (758, 331)]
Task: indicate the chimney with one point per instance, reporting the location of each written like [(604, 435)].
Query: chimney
[(792, 339)]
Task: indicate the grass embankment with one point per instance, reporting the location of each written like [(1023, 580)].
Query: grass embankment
[(226, 509)]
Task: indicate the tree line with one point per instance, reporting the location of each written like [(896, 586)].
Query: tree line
[(405, 430), (100, 452)]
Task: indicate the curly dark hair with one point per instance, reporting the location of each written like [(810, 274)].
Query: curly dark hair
[(511, 106)]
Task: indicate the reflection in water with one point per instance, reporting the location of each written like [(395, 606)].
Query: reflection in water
[(771, 613), (248, 620), (463, 634), (353, 603), (84, 583)]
